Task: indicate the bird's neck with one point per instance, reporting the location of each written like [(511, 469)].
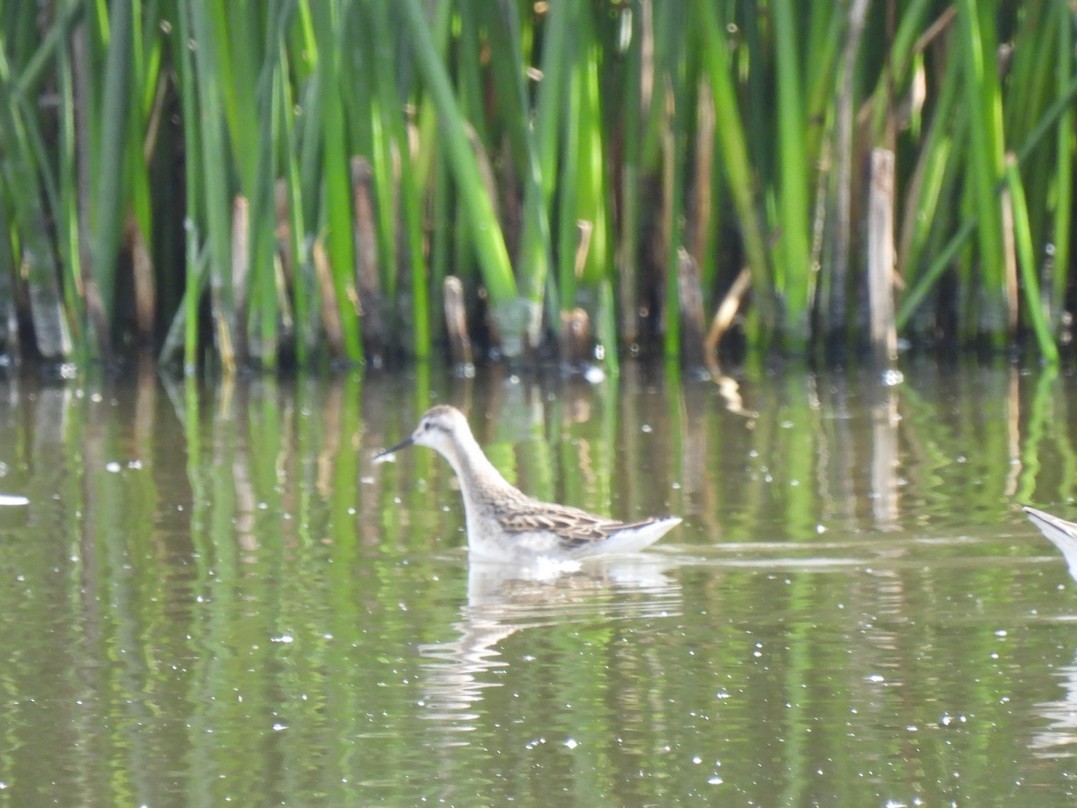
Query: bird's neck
[(478, 477)]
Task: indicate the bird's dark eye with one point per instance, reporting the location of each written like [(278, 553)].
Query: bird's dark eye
[(426, 426)]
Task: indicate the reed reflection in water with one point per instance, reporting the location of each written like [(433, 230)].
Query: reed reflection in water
[(212, 593)]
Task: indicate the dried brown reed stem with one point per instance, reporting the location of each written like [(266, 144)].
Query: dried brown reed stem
[(456, 323), (881, 257)]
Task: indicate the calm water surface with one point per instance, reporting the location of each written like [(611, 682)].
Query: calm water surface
[(213, 595)]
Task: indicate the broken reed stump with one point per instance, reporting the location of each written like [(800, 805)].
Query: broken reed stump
[(456, 324), (235, 320), (881, 257), (372, 321), (723, 319), (142, 275), (334, 330), (693, 329), (577, 347)]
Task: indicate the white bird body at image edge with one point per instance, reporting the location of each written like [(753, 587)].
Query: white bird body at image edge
[(1062, 534), (505, 524)]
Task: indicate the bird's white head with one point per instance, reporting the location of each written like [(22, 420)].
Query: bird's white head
[(441, 428)]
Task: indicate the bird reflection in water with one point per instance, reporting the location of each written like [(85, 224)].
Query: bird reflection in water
[(503, 599)]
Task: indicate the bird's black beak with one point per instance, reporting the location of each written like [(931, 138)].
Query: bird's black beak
[(404, 444)]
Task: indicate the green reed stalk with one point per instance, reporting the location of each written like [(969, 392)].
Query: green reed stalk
[(956, 242), (500, 23), (1027, 264), (1030, 76), (923, 212), (985, 157), (1030, 84), (570, 136), (540, 144), (1063, 176), (143, 127), (422, 343), (55, 40), (239, 62), (371, 104), (303, 290), (258, 61), (471, 92), (109, 196), (626, 258), (568, 229), (592, 202), (825, 41), (304, 45), (607, 327), (486, 231), (923, 202), (9, 335), (329, 25), (217, 202), (236, 77), (792, 274), (902, 60), (705, 217), (59, 333), (389, 119), (264, 310), (302, 175), (20, 166), (733, 138), (68, 213), (432, 178), (440, 252), (193, 176), (669, 30), (427, 114)]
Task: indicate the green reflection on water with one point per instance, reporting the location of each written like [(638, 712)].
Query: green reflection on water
[(214, 595)]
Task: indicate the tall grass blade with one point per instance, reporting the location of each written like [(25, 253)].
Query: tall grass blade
[(486, 231), (216, 205), (669, 31), (33, 249), (409, 199), (626, 256), (1062, 235), (793, 276), (834, 302), (340, 249), (985, 156), (109, 203), (736, 160), (295, 245), (1027, 264), (541, 141)]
